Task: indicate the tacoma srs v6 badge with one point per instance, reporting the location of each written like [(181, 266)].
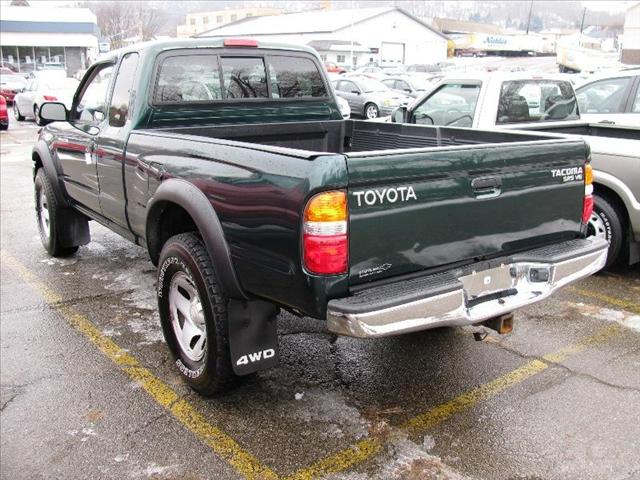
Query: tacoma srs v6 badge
[(572, 174)]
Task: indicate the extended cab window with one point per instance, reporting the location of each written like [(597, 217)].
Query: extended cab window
[(452, 104), (536, 101), (91, 106), (605, 96), (244, 77), (119, 109), (295, 77), (188, 78)]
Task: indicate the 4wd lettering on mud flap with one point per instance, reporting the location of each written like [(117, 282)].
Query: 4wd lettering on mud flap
[(256, 356), (568, 174), (391, 195)]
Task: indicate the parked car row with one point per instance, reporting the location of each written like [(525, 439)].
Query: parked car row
[(527, 102)]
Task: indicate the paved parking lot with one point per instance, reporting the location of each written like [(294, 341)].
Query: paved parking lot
[(88, 389)]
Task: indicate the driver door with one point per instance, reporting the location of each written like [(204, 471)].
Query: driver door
[(351, 93), (76, 147)]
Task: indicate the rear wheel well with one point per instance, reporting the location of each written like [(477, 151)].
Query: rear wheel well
[(166, 220), (615, 201)]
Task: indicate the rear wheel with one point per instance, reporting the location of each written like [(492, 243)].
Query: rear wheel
[(371, 111), (50, 217), (605, 222), (193, 313), (16, 112)]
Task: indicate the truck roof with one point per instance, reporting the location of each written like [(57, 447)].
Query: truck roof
[(158, 46)]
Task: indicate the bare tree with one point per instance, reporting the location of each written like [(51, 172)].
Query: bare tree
[(119, 20)]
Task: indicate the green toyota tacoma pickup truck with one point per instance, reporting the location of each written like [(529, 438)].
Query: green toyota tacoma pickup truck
[(230, 162)]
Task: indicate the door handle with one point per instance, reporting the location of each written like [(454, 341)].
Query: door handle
[(486, 187)]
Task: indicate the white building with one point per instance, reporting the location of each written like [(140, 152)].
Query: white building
[(631, 36), (386, 35), (33, 36)]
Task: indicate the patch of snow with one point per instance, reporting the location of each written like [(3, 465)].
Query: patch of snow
[(121, 458), (331, 409), (63, 262), (299, 396), (622, 317)]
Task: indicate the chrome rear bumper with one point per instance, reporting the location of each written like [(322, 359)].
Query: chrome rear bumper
[(466, 296)]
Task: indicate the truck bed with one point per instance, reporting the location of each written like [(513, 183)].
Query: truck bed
[(350, 136)]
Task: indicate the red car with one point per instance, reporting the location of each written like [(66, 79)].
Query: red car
[(10, 84), (333, 68), (4, 116)]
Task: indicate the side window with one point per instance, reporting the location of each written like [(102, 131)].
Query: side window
[(605, 96), (402, 85), (536, 101), (390, 83), (349, 87), (636, 103), (119, 109), (294, 77), (91, 106), (188, 78), (452, 104), (244, 77)]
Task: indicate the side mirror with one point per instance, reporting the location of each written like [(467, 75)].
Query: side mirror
[(98, 116), (408, 90), (399, 115), (53, 112), (356, 92)]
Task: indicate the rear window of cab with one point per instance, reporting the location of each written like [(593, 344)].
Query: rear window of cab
[(184, 78)]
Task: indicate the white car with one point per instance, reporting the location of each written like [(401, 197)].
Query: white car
[(40, 89), (344, 107), (611, 98)]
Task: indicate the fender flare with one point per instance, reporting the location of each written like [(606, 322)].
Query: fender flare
[(194, 201), (41, 149)]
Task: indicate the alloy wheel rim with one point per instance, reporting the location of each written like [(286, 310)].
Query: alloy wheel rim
[(187, 317), (597, 227), (16, 111), (43, 213), (372, 112)]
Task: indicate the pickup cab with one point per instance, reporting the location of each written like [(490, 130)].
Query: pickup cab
[(229, 161), (547, 104)]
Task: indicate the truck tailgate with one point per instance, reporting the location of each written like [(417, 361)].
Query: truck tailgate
[(419, 209)]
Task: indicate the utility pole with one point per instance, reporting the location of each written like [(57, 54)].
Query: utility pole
[(584, 13), (529, 18)]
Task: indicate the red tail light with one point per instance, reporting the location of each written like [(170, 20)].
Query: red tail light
[(587, 203), (49, 98), (240, 42), (325, 241)]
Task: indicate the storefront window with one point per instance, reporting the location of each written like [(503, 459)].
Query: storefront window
[(57, 55), (10, 57), (42, 56), (27, 59)]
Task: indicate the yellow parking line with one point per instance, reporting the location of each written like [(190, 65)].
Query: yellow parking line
[(618, 302), (369, 447), (221, 443)]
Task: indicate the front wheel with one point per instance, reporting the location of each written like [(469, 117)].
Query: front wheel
[(36, 115), (50, 218), (16, 112), (371, 111), (193, 313), (605, 222)]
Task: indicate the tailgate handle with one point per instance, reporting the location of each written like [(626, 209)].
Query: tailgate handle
[(486, 182), (486, 187)]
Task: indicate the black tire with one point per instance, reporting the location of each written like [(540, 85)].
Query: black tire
[(184, 256), (36, 115), (50, 230), (4, 127), (16, 112), (373, 108), (607, 222)]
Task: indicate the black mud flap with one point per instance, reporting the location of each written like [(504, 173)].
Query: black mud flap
[(253, 335)]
